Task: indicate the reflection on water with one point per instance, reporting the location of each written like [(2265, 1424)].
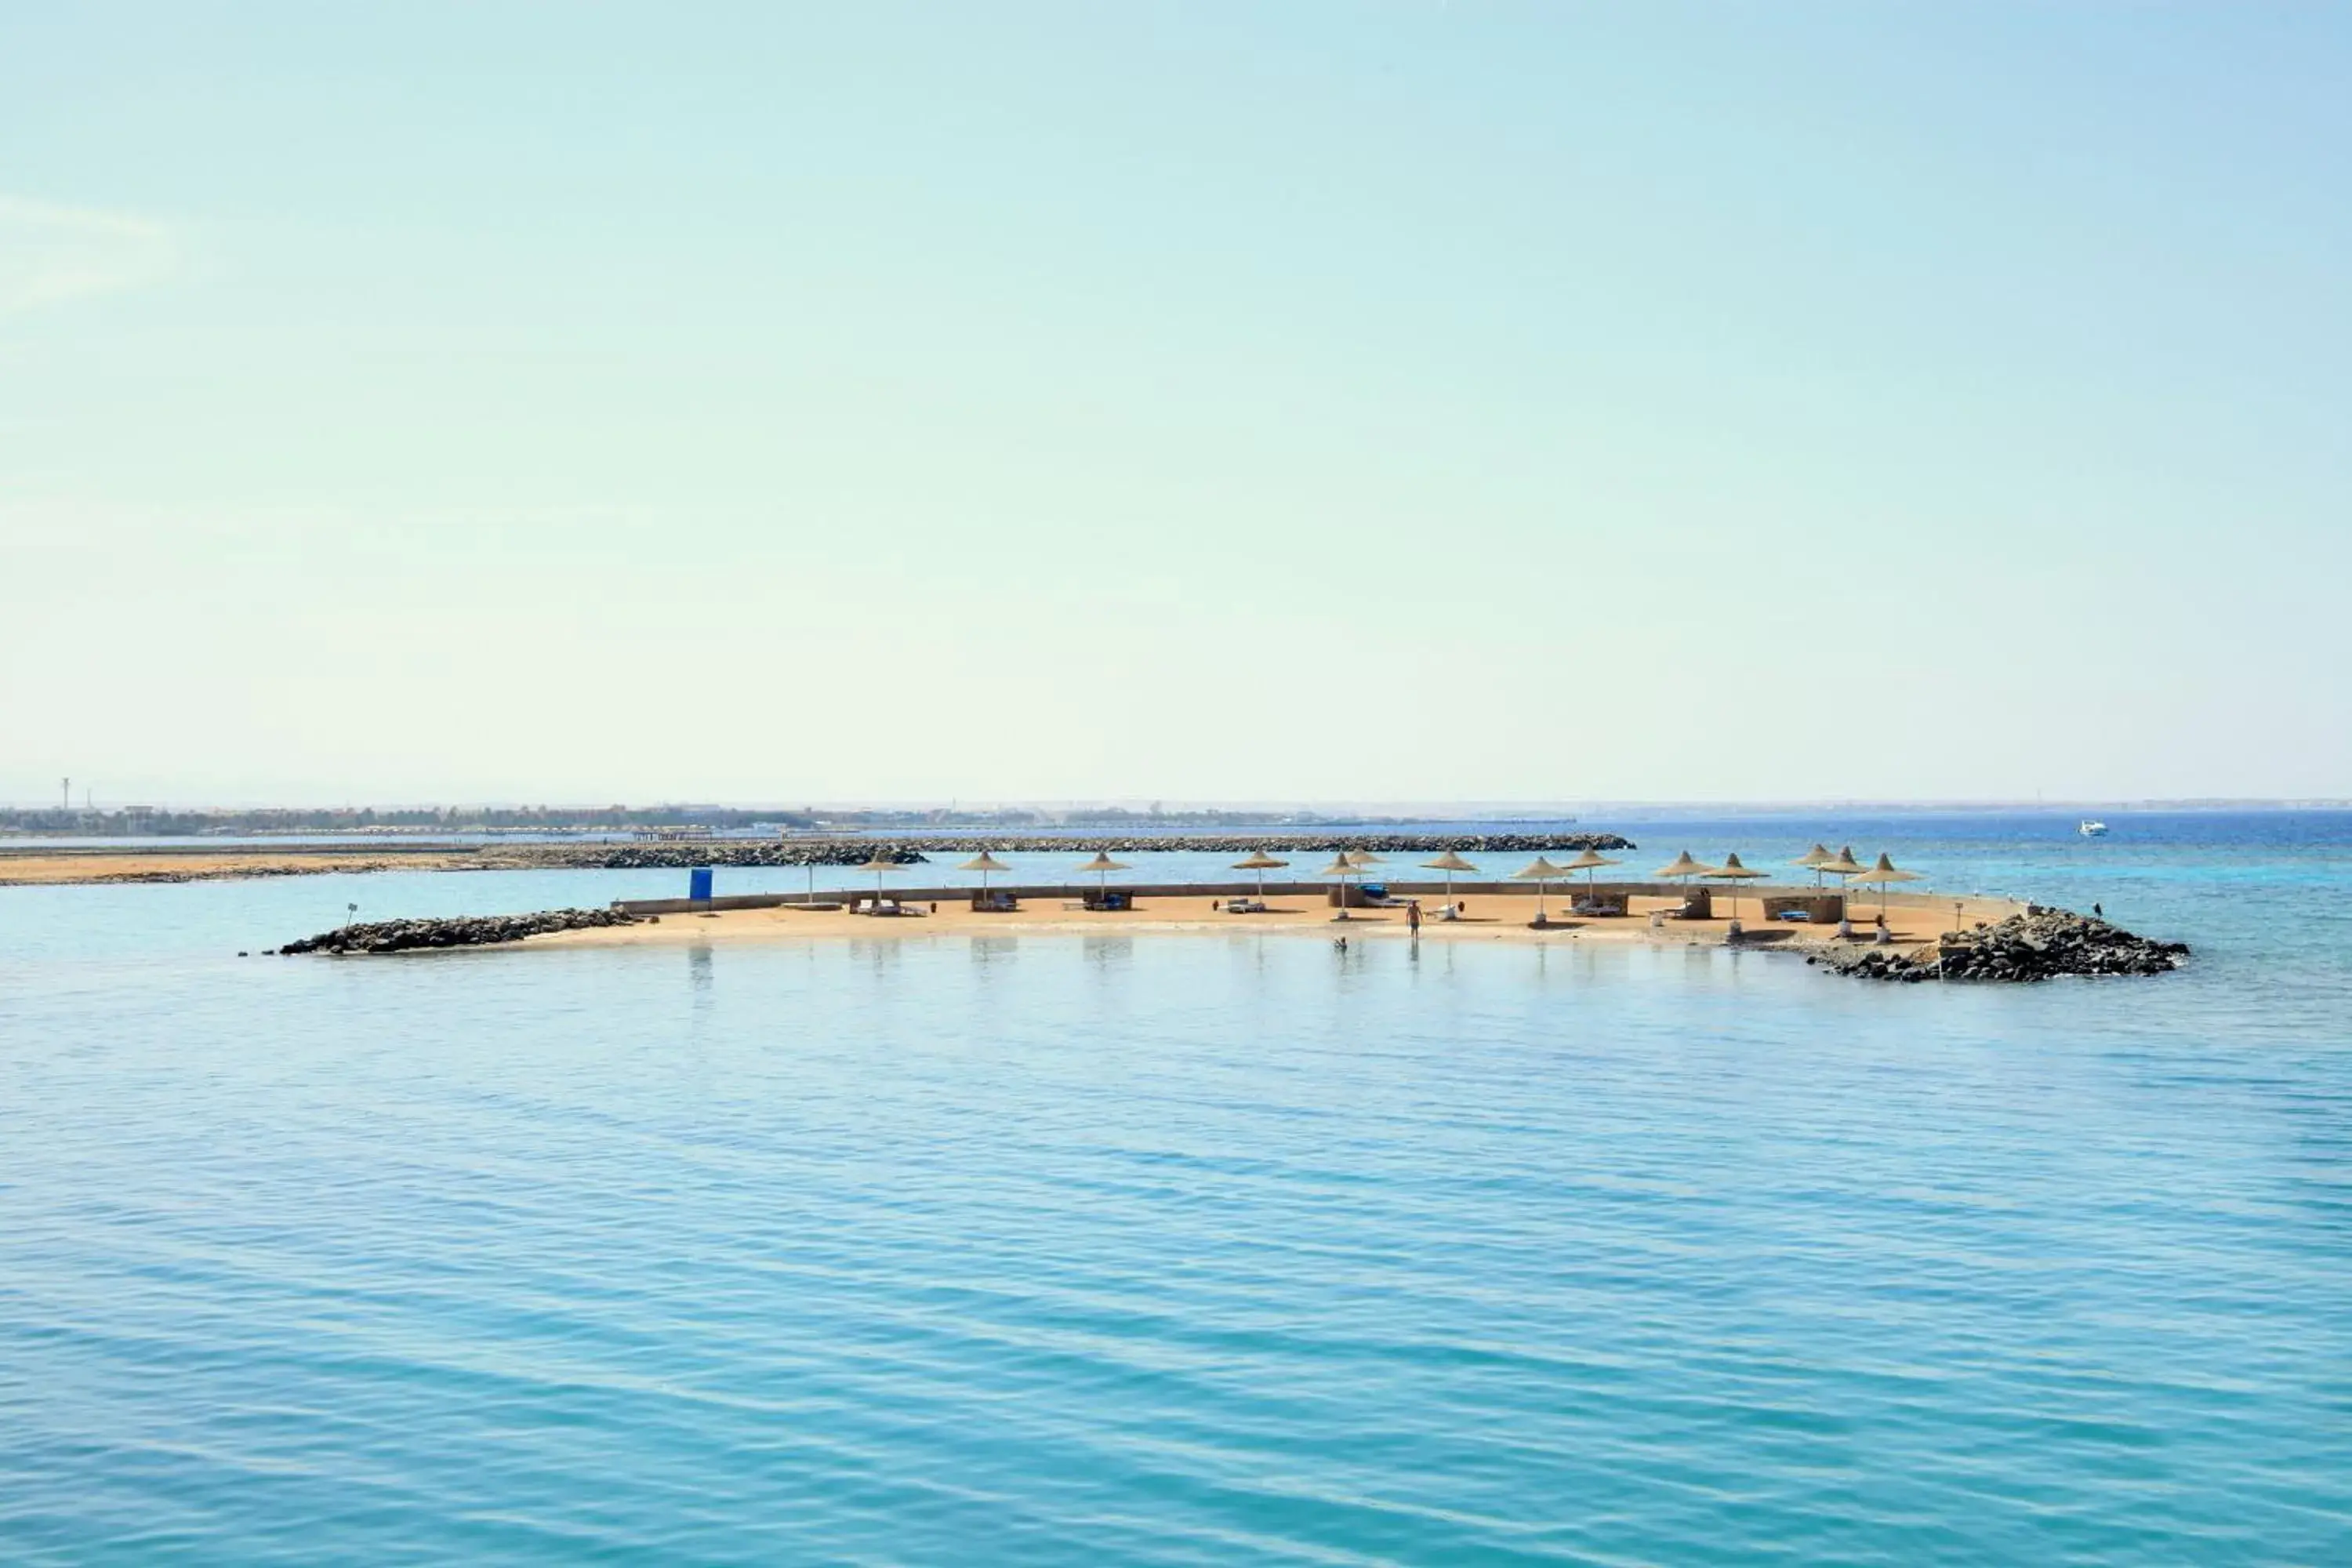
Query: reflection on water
[(1108, 949)]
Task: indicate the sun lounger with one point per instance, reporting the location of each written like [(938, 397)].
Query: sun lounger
[(1244, 907)]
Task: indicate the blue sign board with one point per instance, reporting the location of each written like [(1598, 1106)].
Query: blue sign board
[(698, 886)]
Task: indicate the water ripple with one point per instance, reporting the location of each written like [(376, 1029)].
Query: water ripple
[(1192, 1252)]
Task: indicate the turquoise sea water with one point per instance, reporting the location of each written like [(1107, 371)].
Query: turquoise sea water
[(1184, 1250)]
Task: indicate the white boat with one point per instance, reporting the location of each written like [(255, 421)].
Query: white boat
[(2092, 828)]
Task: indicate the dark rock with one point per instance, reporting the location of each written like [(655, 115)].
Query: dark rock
[(2039, 945), (462, 930)]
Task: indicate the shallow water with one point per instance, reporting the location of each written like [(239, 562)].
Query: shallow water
[(1201, 1250)]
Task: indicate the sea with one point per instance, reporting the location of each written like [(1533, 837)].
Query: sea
[(1227, 1248)]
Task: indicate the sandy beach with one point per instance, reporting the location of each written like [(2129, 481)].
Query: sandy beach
[(1490, 917), (62, 868)]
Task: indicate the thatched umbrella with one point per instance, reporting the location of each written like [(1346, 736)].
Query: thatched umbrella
[(1541, 872), (1588, 862), (1343, 868), (881, 865), (1732, 872), (1884, 873), (1683, 869), (983, 863), (1449, 863), (1842, 865), (1813, 860), (1102, 866), (1260, 862)]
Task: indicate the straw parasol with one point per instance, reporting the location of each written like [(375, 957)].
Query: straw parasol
[(1842, 865), (983, 863), (1102, 866), (880, 866), (1260, 862), (1684, 868), (1539, 871), (1813, 860), (1449, 863), (1588, 862), (1884, 873), (1343, 868), (1731, 870)]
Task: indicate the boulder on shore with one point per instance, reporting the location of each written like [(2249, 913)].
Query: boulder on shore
[(459, 931), (2021, 948)]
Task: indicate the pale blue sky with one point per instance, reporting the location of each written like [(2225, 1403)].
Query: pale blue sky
[(1307, 402)]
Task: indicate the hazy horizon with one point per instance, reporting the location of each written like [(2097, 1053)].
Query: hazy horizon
[(1429, 401), (1143, 805)]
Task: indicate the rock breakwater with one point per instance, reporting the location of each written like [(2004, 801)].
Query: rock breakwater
[(915, 849), (2041, 945), (462, 930)]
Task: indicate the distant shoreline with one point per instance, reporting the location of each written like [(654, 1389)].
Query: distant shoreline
[(114, 864)]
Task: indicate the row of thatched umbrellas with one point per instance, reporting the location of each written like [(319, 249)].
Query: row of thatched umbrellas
[(1818, 860), (1347, 864)]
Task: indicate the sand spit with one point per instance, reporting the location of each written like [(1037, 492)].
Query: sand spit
[(1913, 927)]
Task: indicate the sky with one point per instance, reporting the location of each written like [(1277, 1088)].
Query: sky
[(1291, 402)]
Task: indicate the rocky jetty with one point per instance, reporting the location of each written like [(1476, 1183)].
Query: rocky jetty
[(461, 930), (2039, 945), (918, 849)]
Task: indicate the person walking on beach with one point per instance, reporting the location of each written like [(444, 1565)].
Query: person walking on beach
[(1412, 916)]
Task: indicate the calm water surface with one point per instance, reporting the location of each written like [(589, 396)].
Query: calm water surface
[(1182, 1251)]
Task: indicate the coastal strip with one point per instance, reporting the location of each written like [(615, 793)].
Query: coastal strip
[(51, 864)]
